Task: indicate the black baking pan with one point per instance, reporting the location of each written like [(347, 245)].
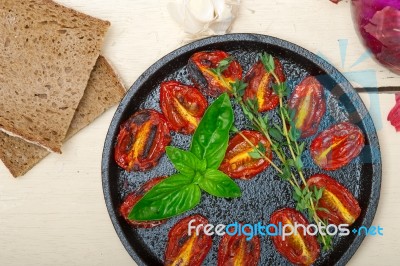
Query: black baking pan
[(266, 192)]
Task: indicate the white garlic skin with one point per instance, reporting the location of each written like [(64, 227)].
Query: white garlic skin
[(200, 18)]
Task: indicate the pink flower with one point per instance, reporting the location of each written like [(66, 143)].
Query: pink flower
[(394, 115)]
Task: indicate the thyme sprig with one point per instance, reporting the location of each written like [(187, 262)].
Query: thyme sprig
[(222, 66), (306, 198), (284, 140)]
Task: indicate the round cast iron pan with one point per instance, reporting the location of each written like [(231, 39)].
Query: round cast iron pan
[(265, 193)]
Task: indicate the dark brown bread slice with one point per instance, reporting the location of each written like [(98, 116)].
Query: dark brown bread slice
[(104, 90), (47, 52)]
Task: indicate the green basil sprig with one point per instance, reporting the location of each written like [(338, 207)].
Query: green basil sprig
[(198, 169)]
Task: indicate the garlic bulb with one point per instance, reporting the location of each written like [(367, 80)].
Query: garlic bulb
[(201, 18)]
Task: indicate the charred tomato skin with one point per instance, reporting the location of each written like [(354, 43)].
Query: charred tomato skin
[(259, 85), (183, 249), (183, 106), (303, 254), (199, 66), (342, 206), (308, 103), (132, 198), (141, 140), (236, 250), (337, 146), (238, 163)]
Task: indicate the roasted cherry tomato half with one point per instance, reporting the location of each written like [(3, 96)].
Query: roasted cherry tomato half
[(130, 201), (308, 103), (337, 146), (259, 85), (182, 105), (236, 250), (341, 206), (142, 140), (238, 163), (200, 67), (299, 248), (184, 249)]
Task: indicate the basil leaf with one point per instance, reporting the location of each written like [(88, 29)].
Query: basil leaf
[(212, 135), (170, 197), (219, 184), (185, 162)]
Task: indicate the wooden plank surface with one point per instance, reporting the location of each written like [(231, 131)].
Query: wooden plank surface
[(56, 215)]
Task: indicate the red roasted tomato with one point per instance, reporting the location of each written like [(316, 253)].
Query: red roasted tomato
[(337, 146), (142, 140), (238, 163), (308, 103), (300, 248), (182, 105), (237, 251), (200, 65), (130, 201), (259, 85), (343, 207), (185, 250)]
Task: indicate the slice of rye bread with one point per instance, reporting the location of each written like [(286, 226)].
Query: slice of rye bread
[(47, 52), (104, 90)]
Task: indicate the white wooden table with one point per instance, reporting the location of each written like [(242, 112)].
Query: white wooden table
[(56, 215)]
